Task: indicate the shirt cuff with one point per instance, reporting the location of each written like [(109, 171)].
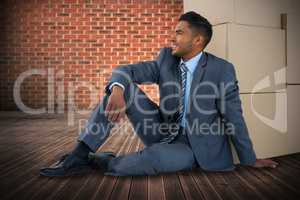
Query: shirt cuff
[(118, 84)]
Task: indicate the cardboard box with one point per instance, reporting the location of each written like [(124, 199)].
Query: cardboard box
[(266, 119), (258, 54), (264, 13)]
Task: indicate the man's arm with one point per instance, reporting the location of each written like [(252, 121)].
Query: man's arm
[(231, 108), (143, 72), (140, 73)]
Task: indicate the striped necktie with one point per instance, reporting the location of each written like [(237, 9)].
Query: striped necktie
[(180, 111)]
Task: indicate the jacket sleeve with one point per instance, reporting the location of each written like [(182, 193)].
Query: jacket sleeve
[(141, 73), (231, 109)]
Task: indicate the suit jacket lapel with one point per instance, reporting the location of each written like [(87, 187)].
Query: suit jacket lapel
[(176, 70)]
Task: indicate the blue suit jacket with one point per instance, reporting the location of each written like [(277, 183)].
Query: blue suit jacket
[(218, 108)]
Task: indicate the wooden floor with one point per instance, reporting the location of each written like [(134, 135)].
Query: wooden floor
[(28, 143)]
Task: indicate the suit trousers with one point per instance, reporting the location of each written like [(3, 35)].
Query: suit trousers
[(145, 118)]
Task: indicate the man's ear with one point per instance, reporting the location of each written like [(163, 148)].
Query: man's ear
[(199, 40)]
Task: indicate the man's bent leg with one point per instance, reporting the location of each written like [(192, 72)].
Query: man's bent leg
[(144, 115), (97, 128), (141, 111), (139, 108)]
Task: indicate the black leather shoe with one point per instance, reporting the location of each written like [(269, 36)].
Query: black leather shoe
[(100, 160), (67, 165)]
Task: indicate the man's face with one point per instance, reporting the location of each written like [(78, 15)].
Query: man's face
[(183, 42)]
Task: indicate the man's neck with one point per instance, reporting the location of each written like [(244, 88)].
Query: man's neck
[(190, 55)]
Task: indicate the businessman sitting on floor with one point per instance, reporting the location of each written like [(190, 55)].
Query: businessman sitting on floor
[(199, 113)]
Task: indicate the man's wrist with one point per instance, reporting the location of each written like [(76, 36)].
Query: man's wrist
[(116, 84), (117, 88)]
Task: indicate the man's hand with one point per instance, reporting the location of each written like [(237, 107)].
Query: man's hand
[(265, 163), (115, 108)]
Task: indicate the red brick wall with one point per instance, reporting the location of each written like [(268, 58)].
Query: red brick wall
[(84, 39)]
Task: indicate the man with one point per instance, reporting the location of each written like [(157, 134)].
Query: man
[(199, 113)]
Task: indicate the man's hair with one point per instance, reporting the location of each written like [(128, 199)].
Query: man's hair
[(199, 24)]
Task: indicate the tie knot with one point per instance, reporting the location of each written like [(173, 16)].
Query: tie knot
[(183, 67)]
